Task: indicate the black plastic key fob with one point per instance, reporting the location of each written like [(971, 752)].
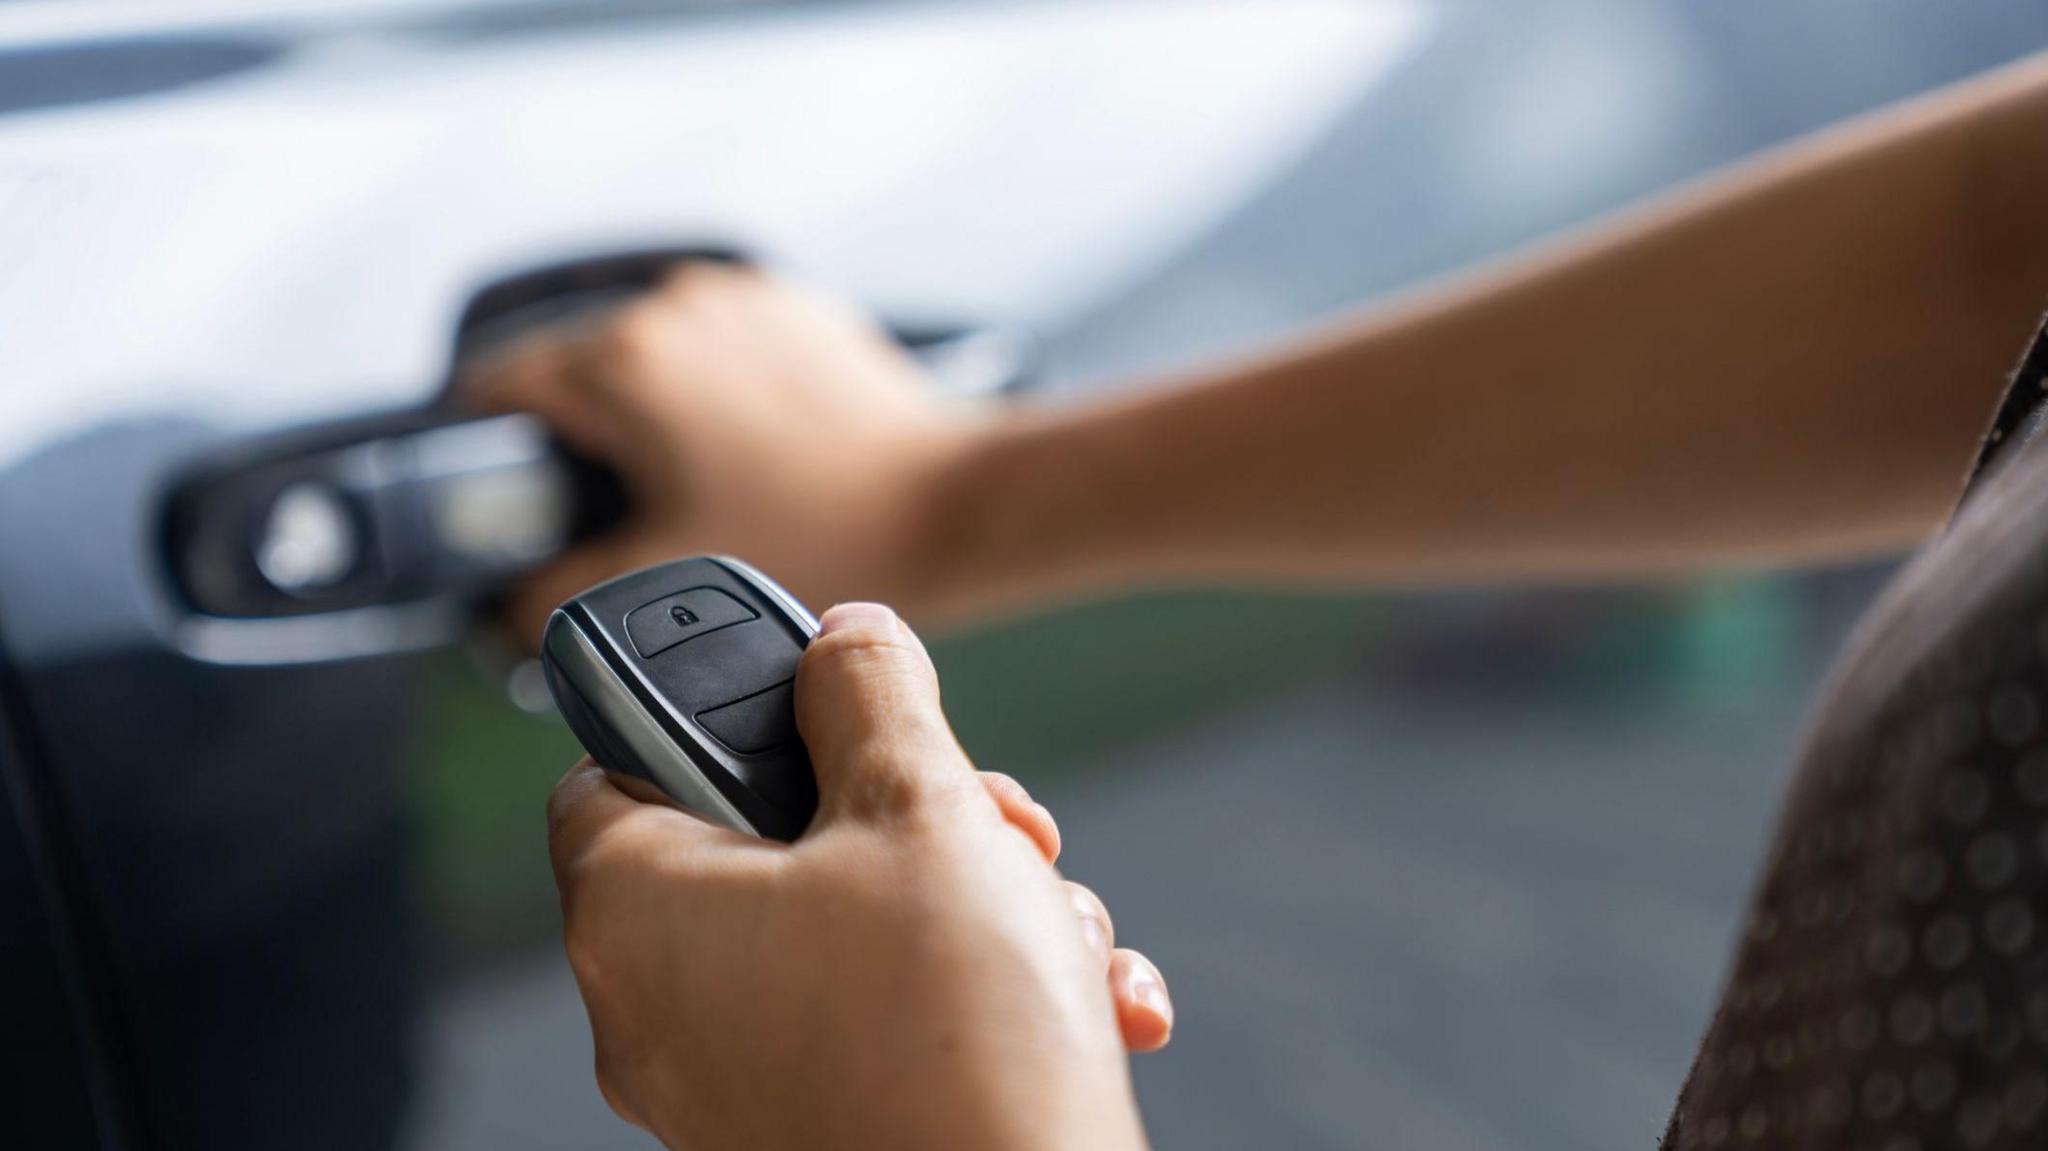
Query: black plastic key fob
[(682, 674)]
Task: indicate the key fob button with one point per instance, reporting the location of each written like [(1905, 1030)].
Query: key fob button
[(656, 627), (724, 666), (761, 722)]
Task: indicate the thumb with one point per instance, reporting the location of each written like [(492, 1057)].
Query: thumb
[(867, 705)]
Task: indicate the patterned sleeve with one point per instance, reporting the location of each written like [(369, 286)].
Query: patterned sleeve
[(1890, 987)]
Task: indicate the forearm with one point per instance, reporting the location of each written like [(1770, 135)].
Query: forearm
[(1789, 361)]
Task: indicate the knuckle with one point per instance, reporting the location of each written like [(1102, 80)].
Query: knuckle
[(1087, 903), (560, 812), (896, 790), (567, 862), (941, 799), (588, 915), (585, 965), (629, 1065), (609, 1088), (858, 644), (612, 1087), (577, 843), (585, 952), (629, 341), (880, 793)]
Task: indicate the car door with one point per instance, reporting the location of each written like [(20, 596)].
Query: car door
[(61, 1048), (229, 840)]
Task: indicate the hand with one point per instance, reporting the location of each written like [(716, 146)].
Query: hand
[(912, 973), (746, 417)]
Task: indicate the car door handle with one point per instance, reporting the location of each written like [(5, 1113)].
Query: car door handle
[(383, 533), (967, 358)]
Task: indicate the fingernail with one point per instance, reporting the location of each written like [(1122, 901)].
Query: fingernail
[(1147, 990), (1091, 931), (1052, 825), (1090, 913), (857, 615)]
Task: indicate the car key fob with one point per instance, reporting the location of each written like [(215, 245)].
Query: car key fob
[(683, 674)]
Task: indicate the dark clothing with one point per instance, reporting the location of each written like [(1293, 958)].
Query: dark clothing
[(2021, 414), (1890, 988)]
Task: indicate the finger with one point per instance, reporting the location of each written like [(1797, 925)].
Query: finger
[(820, 304), (867, 706), (696, 278), (1144, 1011), (580, 809), (1096, 927), (592, 806), (1024, 813), (545, 373)]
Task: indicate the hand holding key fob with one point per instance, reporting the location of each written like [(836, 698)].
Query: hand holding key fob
[(683, 674)]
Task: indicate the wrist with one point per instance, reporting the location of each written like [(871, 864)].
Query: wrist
[(997, 522)]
